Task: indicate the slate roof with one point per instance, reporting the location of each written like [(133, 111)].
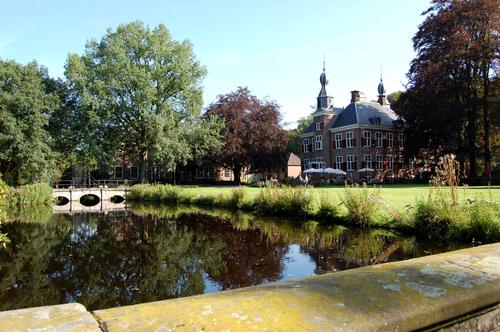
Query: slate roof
[(293, 160), (366, 113)]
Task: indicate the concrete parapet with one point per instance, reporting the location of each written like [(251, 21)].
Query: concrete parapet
[(397, 296), (63, 317)]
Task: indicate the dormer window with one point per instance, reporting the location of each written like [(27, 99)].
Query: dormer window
[(319, 126)]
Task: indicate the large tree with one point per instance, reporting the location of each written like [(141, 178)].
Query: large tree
[(253, 136), (26, 103), (140, 97), (451, 79), (294, 143)]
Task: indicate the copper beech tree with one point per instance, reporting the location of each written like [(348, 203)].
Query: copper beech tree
[(253, 136), (451, 104)]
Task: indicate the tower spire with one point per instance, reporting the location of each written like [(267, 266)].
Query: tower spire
[(382, 100), (324, 100)]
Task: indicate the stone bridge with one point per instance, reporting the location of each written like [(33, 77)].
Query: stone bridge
[(73, 196), (104, 194)]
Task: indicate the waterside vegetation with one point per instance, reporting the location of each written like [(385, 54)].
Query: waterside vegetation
[(435, 216)]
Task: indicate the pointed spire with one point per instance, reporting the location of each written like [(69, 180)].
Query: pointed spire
[(382, 100), (324, 100)]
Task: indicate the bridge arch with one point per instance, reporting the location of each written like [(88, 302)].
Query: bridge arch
[(90, 199), (61, 200)]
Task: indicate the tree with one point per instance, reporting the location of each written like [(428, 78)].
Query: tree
[(457, 49), (26, 153), (252, 136), (140, 96), (294, 143)]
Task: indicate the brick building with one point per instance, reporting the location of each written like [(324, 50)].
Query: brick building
[(363, 139)]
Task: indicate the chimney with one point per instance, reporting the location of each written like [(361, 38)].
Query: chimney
[(355, 96)]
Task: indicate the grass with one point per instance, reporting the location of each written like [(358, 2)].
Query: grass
[(396, 195)]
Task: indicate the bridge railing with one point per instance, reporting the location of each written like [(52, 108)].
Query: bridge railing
[(93, 183)]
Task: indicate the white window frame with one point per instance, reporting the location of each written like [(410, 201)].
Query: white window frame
[(155, 173), (318, 143), (401, 140), (338, 141), (390, 162), (350, 162), (390, 140), (349, 138), (306, 163), (319, 162), (368, 160), (305, 145), (226, 173), (338, 162), (367, 138), (318, 126), (121, 168), (131, 172), (379, 160), (378, 139)]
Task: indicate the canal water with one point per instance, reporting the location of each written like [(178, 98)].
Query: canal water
[(147, 253)]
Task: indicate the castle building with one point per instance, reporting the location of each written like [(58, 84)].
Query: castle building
[(364, 139)]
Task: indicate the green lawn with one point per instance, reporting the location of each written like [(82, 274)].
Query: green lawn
[(397, 195)]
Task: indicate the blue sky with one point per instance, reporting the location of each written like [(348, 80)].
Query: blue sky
[(274, 47)]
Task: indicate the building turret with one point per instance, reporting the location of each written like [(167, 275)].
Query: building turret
[(325, 101), (382, 100)]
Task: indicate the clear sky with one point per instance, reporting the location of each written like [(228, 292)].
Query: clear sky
[(274, 47)]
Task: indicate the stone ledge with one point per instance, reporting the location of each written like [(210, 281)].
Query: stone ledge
[(396, 296), (63, 317)]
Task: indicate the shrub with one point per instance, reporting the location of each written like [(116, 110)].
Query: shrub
[(286, 201), (28, 195), (237, 198), (328, 208), (484, 221), (435, 217), (361, 205)]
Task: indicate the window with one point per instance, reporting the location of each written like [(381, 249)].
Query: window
[(227, 173), (155, 173), (367, 138), (338, 162), (380, 162), (390, 140), (368, 160), (350, 162), (118, 172), (200, 173), (348, 137), (402, 162), (306, 145), (134, 172), (318, 162), (338, 141), (306, 163), (378, 139), (401, 140), (319, 125), (318, 144), (390, 162)]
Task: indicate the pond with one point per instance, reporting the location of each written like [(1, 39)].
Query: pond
[(147, 253)]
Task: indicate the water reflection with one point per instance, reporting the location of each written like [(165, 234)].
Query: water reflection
[(152, 253)]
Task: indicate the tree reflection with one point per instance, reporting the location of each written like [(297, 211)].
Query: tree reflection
[(101, 262)]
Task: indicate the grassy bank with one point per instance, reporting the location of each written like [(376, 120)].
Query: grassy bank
[(427, 215)]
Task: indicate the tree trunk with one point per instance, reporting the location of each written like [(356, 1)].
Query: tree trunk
[(143, 166), (237, 175), (486, 120)]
